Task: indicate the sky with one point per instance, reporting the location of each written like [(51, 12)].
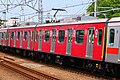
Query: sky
[(74, 7)]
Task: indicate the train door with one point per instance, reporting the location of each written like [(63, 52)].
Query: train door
[(21, 33), (14, 39), (69, 41), (40, 41), (113, 45), (53, 40), (29, 35), (90, 43)]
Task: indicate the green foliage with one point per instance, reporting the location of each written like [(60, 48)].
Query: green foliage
[(106, 3)]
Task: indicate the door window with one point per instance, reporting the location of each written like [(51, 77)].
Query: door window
[(40, 34), (53, 35), (69, 35), (111, 37), (18, 35), (36, 35), (90, 35)]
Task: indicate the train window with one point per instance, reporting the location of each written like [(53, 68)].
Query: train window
[(61, 35), (69, 35), (79, 36), (18, 35), (36, 35), (100, 37), (53, 35), (91, 35), (111, 38), (40, 34), (25, 35), (2, 35), (12, 35), (29, 34), (32, 35), (47, 36)]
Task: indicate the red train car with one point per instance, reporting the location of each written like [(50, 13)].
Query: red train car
[(90, 44), (81, 39), (21, 37), (3, 37)]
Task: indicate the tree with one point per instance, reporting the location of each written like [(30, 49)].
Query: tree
[(106, 3)]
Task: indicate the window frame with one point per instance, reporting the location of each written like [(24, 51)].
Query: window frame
[(12, 35), (40, 34), (32, 33), (109, 42), (25, 35), (82, 36), (2, 35), (54, 31), (18, 35), (99, 38), (45, 36), (61, 36), (70, 35), (36, 35)]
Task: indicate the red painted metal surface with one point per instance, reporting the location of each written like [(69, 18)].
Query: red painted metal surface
[(77, 50), (112, 50)]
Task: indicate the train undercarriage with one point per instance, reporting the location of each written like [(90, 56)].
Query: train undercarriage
[(99, 67)]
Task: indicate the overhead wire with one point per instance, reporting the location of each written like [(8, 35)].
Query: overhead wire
[(84, 8)]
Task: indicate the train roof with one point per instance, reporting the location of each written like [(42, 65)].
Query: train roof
[(114, 22), (115, 19), (58, 24)]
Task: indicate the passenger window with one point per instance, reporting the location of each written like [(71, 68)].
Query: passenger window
[(18, 35), (100, 37), (53, 35), (79, 36), (47, 36), (61, 35), (25, 35), (111, 38), (12, 35), (36, 35)]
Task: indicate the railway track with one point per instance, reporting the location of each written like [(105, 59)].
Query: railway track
[(77, 71), (27, 72), (81, 71)]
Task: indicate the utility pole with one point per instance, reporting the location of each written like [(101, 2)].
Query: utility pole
[(95, 8), (40, 11)]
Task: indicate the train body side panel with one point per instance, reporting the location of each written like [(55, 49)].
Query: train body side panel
[(99, 41), (60, 47), (78, 50), (46, 42)]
